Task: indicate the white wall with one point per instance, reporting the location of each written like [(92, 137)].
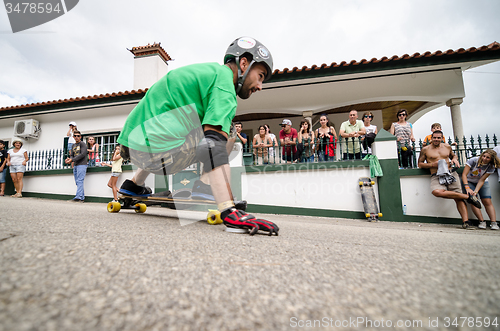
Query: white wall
[(328, 188), (54, 126), (148, 70), (419, 201), (95, 183)]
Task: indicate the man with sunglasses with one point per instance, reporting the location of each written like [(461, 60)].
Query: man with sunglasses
[(78, 160)]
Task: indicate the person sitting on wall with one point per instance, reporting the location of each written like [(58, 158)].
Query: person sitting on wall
[(351, 130), (445, 182), (475, 181)]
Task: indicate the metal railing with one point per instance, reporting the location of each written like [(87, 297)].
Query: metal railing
[(310, 151), (464, 148), (54, 159)]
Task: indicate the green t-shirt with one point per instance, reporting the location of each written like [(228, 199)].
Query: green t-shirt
[(181, 101), (348, 128)]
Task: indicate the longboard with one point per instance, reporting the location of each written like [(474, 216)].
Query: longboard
[(368, 197), (181, 201)]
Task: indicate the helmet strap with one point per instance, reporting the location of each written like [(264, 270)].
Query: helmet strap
[(241, 78)]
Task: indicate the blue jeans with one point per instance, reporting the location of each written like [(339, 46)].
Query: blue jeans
[(322, 157), (79, 173), (307, 159)]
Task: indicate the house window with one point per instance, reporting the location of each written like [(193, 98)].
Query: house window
[(107, 143)]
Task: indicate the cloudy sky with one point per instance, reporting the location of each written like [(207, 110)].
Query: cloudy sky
[(85, 52)]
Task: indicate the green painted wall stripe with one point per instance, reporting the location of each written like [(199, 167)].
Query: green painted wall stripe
[(389, 191)]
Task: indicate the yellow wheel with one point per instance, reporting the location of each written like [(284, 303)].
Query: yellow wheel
[(367, 215), (114, 207), (140, 208), (404, 148), (373, 183), (213, 217), (360, 183), (379, 214)]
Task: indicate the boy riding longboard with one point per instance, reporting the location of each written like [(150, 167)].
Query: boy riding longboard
[(186, 117)]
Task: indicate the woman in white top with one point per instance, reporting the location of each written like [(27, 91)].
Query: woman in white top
[(370, 128), (275, 143), (17, 158)]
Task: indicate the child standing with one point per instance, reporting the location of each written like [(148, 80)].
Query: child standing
[(116, 171), (434, 127)]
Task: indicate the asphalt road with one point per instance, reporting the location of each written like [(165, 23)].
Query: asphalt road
[(72, 266)]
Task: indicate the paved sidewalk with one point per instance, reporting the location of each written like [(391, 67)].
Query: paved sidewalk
[(72, 266)]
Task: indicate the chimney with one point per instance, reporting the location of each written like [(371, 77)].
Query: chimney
[(150, 64)]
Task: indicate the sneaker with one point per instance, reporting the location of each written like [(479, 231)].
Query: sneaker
[(494, 226), (202, 191), (467, 225), (482, 225), (75, 200), (130, 188), (17, 195), (473, 200)]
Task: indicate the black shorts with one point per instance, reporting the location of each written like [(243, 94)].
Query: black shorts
[(169, 162)]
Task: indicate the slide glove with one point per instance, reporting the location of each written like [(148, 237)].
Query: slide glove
[(239, 219), (267, 226), (234, 218)]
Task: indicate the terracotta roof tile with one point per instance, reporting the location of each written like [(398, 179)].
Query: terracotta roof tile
[(156, 48), (151, 49)]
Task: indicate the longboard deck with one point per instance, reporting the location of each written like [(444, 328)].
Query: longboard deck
[(370, 206)]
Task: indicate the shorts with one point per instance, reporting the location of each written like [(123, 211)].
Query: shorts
[(484, 192), (116, 174), (17, 168), (168, 162), (3, 174), (453, 187)]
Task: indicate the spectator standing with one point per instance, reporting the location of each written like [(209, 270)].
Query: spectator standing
[(272, 154), (71, 139), (403, 131), (78, 159), (288, 139), (475, 181), (497, 150), (261, 144), (3, 167), (371, 132), (116, 171), (438, 158), (17, 159), (306, 140), (351, 130), (93, 151), (326, 139), (428, 138), (242, 136)]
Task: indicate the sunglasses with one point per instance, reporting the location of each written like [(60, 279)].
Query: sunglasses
[(368, 116), (76, 135), (402, 114)]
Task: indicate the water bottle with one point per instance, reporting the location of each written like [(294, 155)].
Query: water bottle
[(404, 209)]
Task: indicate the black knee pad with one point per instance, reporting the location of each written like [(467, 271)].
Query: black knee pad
[(212, 150)]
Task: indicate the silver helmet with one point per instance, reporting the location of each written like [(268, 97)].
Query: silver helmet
[(259, 52)]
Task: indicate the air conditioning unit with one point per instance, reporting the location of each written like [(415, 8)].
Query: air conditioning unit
[(27, 128)]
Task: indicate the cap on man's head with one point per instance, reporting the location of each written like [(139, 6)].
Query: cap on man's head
[(286, 122), (72, 123)]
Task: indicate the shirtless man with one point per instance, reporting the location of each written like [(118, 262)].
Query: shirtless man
[(429, 158)]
